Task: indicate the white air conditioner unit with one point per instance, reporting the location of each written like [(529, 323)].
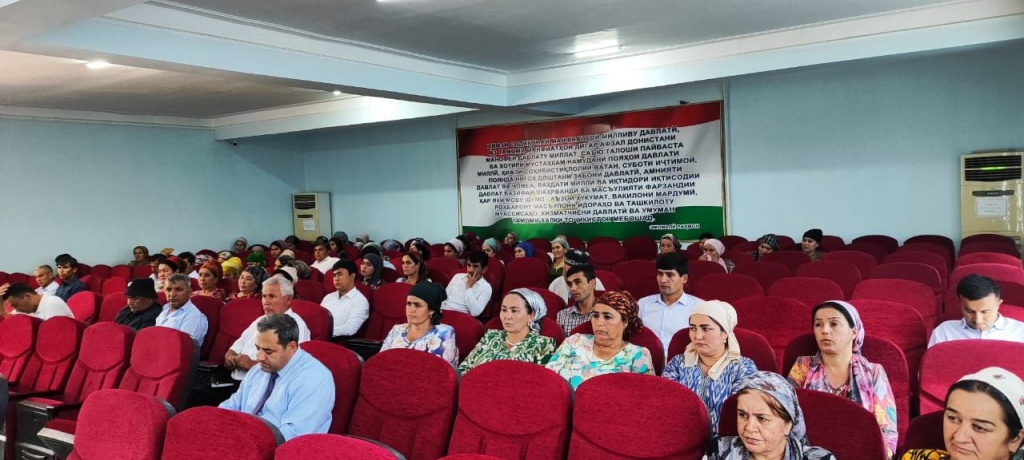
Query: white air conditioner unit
[(311, 214), (992, 194)]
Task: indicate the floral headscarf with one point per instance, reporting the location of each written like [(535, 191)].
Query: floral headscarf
[(624, 303)]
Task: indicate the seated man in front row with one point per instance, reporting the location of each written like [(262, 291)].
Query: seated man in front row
[(349, 307), (26, 301), (143, 307), (290, 389), (979, 302), (277, 300), (180, 313), (469, 292)]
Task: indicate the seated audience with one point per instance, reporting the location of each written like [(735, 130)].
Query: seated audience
[(324, 262), (277, 247), (363, 239), (347, 305), (209, 276), (293, 241), (140, 256), (45, 279), (810, 244), (371, 270), (165, 268), (180, 313), (424, 330), (277, 299), (142, 308), (469, 292), (511, 239), (26, 301), (342, 238), (259, 248), (769, 422), (979, 302), (188, 267), (290, 389), (421, 247), (240, 245), (453, 248), (250, 283), (669, 311), (256, 259), (414, 269), (391, 245), (767, 244), (583, 287), (712, 252), (524, 249), (559, 247), (337, 247), (982, 419), (519, 339), (607, 350), (703, 238), (374, 248), (838, 367), (712, 365), (491, 247), (223, 256), (67, 269), (573, 258), (669, 243), (231, 268)]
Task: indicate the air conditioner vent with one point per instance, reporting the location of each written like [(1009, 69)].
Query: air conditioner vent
[(998, 174), (991, 161), (304, 201)]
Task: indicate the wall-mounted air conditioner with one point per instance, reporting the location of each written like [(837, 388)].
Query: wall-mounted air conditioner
[(311, 214), (992, 194)]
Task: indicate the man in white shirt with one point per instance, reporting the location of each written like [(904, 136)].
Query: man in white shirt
[(27, 301), (349, 307), (45, 279), (668, 311), (188, 260), (573, 258), (277, 299), (324, 262), (469, 292), (180, 313), (979, 302)]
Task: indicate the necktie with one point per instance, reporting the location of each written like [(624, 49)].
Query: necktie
[(266, 394)]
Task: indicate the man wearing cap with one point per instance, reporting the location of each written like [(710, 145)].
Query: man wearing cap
[(142, 308), (469, 292), (277, 299), (26, 301), (573, 258), (324, 262), (668, 311)]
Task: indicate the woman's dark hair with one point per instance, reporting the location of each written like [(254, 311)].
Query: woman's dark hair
[(421, 272), (277, 245), (834, 306), (1010, 417), (422, 246), (292, 240)]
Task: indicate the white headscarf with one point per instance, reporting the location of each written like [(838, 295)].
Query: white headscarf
[(1004, 381), (725, 315)]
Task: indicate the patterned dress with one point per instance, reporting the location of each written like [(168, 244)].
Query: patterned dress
[(925, 454), (218, 294), (712, 392), (439, 340), (575, 361), (535, 348)]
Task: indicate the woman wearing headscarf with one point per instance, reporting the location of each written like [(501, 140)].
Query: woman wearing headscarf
[(231, 267), (240, 245), (769, 422), (375, 248), (983, 418), (838, 367), (669, 243), (712, 366), (606, 351), (414, 269), (559, 246), (421, 247), (453, 249), (277, 247), (713, 250), (209, 276), (342, 237), (811, 242), (255, 259), (424, 330), (491, 247), (519, 339), (250, 283), (391, 245), (370, 270), (140, 256), (524, 249), (767, 244)]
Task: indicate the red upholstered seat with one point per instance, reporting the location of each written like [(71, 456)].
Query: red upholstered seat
[(810, 291), (778, 319), (864, 262), (739, 257), (19, 339), (831, 243), (752, 345), (1009, 248), (766, 273), (93, 283), (468, 330), (844, 274), (199, 434), (878, 251), (100, 270), (899, 323), (121, 424), (163, 364), (998, 272), (790, 258), (925, 432), (889, 243), (114, 284), (693, 251), (85, 306), (732, 240), (727, 287), (989, 258), (833, 423), (310, 290), (235, 317), (665, 420), (646, 338), (525, 272), (639, 277), (444, 265), (333, 447), (210, 307), (911, 293), (575, 242), (944, 363), (317, 318), (609, 279), (346, 369), (934, 249), (111, 305), (601, 239), (940, 240), (640, 248), (698, 269), (538, 400), (14, 278), (552, 302), (407, 401), (386, 310), (925, 274), (604, 255), (548, 328), (986, 238), (123, 271)]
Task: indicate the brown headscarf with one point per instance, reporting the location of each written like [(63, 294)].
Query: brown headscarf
[(624, 303)]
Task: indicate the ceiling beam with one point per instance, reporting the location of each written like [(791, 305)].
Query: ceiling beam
[(21, 19)]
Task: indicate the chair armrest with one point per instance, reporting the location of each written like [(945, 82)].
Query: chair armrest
[(51, 406), (18, 395)]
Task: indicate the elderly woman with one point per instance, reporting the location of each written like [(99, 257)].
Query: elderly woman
[(839, 368), (424, 330), (231, 268), (982, 420), (370, 271), (250, 283), (519, 339), (606, 351), (209, 275), (712, 366), (669, 243), (524, 249), (140, 256), (810, 244), (712, 252), (559, 246), (240, 245), (770, 424), (453, 248), (767, 244), (414, 269)]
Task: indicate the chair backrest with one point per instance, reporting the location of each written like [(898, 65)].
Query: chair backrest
[(605, 255), (944, 363), (863, 261), (778, 319), (317, 318), (752, 345), (663, 419), (444, 265), (85, 305), (934, 249), (727, 287), (810, 291), (468, 330), (609, 280), (601, 239), (93, 283), (831, 243), (525, 272), (122, 271), (537, 399), (925, 432), (392, 407), (54, 355), (640, 248), (790, 258), (984, 246), (19, 334), (311, 290), (575, 242), (986, 238), (766, 273), (912, 293), (553, 302), (889, 243), (700, 268), (732, 240), (346, 368), (833, 423), (940, 240), (334, 447), (235, 317), (102, 360), (899, 323), (998, 272), (639, 277), (114, 284), (111, 305), (911, 271), (386, 310), (878, 251), (989, 258), (845, 275), (198, 434), (163, 364), (110, 417), (210, 307)]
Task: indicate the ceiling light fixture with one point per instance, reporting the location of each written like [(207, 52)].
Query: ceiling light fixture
[(95, 65), (337, 93), (597, 51)]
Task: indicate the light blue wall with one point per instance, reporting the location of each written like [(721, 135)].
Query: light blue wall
[(96, 190)]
